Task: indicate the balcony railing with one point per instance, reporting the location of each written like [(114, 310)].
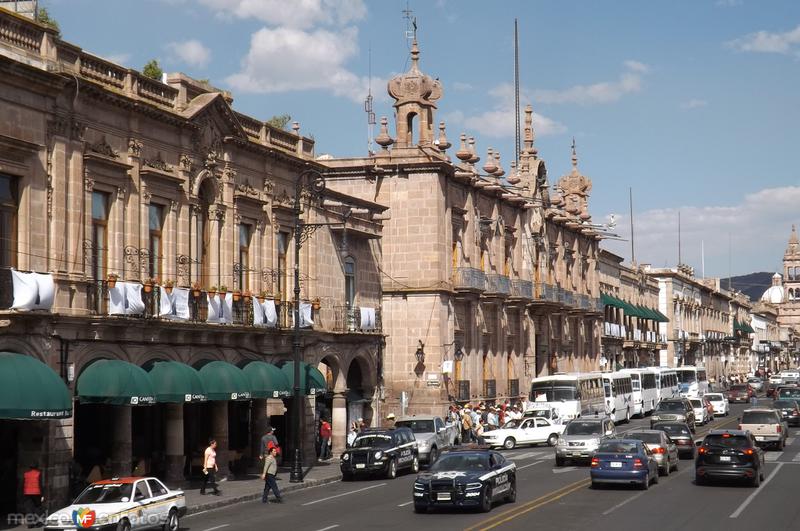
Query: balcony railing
[(498, 284), (462, 391), (545, 292), (469, 279), (355, 319), (567, 297), (489, 388), (522, 289)]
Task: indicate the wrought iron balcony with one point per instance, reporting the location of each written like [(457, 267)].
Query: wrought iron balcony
[(522, 289), (469, 279), (347, 319), (498, 285), (489, 388), (545, 293), (568, 297)]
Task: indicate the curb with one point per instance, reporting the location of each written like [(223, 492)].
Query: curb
[(257, 495)]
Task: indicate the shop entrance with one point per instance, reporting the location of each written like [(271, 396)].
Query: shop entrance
[(9, 435)]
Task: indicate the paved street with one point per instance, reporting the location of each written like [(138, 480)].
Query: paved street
[(548, 498)]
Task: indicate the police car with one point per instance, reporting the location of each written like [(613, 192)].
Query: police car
[(122, 504), (473, 477), (381, 451)]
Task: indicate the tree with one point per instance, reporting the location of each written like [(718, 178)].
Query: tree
[(280, 121), (153, 70), (44, 18)]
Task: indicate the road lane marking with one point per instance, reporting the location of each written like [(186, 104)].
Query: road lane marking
[(564, 469), (344, 494), (796, 458), (530, 464), (217, 527), (752, 496), (406, 503), (772, 457), (525, 455), (334, 526), (789, 441), (505, 516), (624, 502)]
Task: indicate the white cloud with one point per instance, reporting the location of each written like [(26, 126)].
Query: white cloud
[(192, 52), (289, 59), (461, 86), (302, 14), (693, 104), (767, 42), (758, 228), (604, 92), (118, 58)]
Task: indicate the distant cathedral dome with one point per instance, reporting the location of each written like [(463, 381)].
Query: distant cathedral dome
[(774, 293)]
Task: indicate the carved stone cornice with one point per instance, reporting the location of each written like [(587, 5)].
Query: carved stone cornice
[(134, 147), (158, 163), (103, 148)]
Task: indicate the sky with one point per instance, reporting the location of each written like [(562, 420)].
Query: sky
[(691, 105)]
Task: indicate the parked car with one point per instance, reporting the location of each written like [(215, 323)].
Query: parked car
[(766, 425), (756, 383), (524, 431), (726, 454), (582, 437), (674, 410), (380, 451), (789, 409), (624, 461), (787, 391), (433, 435), (740, 393), (664, 449), (680, 433), (701, 413), (719, 403)]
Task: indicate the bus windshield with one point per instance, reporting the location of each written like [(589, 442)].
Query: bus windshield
[(553, 391), (686, 376)]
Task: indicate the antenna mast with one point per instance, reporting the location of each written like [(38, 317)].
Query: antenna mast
[(516, 93), (633, 249), (368, 108), (679, 238)]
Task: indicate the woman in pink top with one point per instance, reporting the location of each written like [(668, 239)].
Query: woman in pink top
[(210, 468)]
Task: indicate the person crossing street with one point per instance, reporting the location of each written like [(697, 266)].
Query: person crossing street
[(269, 476)]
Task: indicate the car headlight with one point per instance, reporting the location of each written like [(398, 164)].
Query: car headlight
[(378, 455), (423, 444), (561, 442), (345, 457), (419, 486), (473, 486)]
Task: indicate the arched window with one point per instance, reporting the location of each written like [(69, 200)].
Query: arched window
[(791, 294), (8, 221), (410, 128), (349, 281)]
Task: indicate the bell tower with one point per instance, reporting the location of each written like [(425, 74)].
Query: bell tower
[(791, 268)]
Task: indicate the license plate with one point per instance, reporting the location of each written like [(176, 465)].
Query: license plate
[(576, 454), (361, 465), (724, 458), (759, 438), (443, 496), (615, 464)]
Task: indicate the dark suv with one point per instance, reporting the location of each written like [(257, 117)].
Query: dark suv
[(674, 410), (381, 451), (729, 454)]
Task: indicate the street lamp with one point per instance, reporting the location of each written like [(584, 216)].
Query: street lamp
[(314, 186)]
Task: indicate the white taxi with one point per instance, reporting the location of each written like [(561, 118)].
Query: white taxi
[(535, 430), (122, 504), (719, 403)]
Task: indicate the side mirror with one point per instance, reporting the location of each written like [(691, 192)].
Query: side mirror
[(698, 443)]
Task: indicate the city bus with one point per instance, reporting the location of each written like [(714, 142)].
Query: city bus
[(645, 390), (693, 381), (667, 383), (618, 391), (571, 395)]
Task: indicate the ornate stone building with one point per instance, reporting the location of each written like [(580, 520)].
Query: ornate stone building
[(108, 179), (488, 279)]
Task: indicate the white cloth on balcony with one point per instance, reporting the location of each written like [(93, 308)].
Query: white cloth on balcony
[(125, 298), (32, 291), (174, 305), (264, 313), (220, 309), (133, 292), (116, 299), (258, 313), (367, 318), (305, 315)]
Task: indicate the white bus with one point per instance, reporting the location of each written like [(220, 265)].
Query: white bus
[(666, 382), (693, 381), (572, 395), (619, 396), (645, 390)]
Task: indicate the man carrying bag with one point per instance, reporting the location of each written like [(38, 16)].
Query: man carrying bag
[(268, 475)]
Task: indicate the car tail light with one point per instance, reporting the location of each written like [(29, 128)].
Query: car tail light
[(701, 450), (749, 451), (778, 428), (637, 463), (595, 462), (658, 450)]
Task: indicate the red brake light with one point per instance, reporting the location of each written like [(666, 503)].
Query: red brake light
[(749, 451), (701, 450), (595, 461), (778, 428), (658, 450), (637, 463)]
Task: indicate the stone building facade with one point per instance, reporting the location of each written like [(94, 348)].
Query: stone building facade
[(106, 177), (487, 281)]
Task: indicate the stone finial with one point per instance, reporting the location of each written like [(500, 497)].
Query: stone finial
[(574, 156), (463, 153), (490, 167), (444, 145), (513, 177), (529, 135), (296, 128), (383, 139), (474, 158), (499, 172), (575, 189)]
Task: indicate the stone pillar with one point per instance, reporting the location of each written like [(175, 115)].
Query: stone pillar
[(173, 441), (258, 425), (219, 432), (121, 464), (339, 424)]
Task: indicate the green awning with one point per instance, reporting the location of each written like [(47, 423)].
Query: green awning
[(745, 328), (608, 300), (267, 380), (29, 389), (661, 317), (223, 381), (115, 382), (176, 383), (311, 380)]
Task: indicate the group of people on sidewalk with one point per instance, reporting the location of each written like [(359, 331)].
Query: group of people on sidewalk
[(474, 420)]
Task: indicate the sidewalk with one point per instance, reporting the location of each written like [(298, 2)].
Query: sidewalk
[(251, 487)]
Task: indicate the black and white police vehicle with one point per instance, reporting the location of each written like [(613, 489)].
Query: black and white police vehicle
[(381, 451), (471, 477)]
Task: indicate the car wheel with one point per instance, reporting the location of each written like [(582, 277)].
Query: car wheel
[(677, 463), (666, 470), (699, 480), (415, 465), (512, 493), (432, 456), (486, 500), (172, 523), (391, 471), (553, 439), (646, 483), (347, 476), (780, 445), (509, 443), (420, 508), (628, 415), (595, 485), (756, 481), (559, 461), (124, 525), (655, 477)]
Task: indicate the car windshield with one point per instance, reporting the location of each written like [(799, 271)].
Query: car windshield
[(544, 413), (754, 380), (417, 426), (726, 441), (784, 404), (542, 391), (696, 402), (790, 393), (714, 397), (105, 493), (511, 424), (372, 440), (759, 417), (618, 447), (686, 376), (458, 461), (739, 387), (582, 428), (671, 406), (674, 430), (649, 438)]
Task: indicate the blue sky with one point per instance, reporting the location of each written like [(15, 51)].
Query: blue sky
[(692, 103)]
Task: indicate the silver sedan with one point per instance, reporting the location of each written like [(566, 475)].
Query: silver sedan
[(664, 450)]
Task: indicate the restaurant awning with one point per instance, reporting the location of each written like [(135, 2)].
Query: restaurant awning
[(115, 382), (176, 383), (311, 380), (223, 381), (267, 380), (29, 389)]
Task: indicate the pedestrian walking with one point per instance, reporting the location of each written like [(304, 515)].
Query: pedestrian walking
[(324, 439), (266, 439), (466, 426), (269, 476), (210, 468), (32, 489)]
